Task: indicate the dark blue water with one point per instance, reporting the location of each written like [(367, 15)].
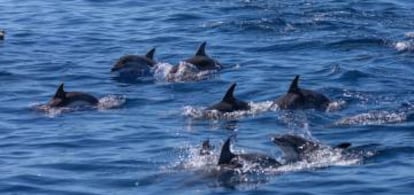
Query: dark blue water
[(145, 137)]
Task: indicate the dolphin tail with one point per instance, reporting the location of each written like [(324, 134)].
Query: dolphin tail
[(201, 51), (60, 93), (150, 54), (294, 86), (229, 97), (226, 155), (343, 145)]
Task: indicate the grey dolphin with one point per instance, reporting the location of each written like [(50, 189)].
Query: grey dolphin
[(298, 98), (202, 61), (231, 160), (2, 34), (229, 103), (136, 64), (62, 98), (296, 148)]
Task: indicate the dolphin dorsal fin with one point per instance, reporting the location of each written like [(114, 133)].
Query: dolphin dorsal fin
[(60, 93), (150, 54), (294, 87), (226, 155), (201, 51), (229, 94)]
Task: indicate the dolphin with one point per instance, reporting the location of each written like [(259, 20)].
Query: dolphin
[(2, 34), (296, 148), (229, 103), (136, 64), (298, 98), (63, 99), (230, 160), (202, 61)]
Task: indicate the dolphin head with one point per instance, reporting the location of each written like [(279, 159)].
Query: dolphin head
[(135, 62), (294, 147), (297, 148), (229, 103)]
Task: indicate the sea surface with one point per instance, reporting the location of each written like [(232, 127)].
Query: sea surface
[(145, 135)]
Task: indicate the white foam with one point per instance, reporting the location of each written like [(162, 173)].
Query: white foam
[(404, 46), (373, 118), (255, 108), (336, 105), (111, 101), (182, 72)]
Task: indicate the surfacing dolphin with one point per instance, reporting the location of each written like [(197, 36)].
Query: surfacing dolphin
[(64, 99), (297, 148), (230, 160), (202, 61), (135, 65), (229, 103), (298, 98)]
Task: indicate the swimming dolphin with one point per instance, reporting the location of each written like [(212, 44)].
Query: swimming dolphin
[(63, 99), (298, 98), (229, 103), (2, 33), (202, 61), (296, 148), (136, 64), (230, 160)]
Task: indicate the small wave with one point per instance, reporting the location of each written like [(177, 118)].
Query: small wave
[(255, 108), (409, 35), (352, 75), (374, 118), (352, 43), (182, 72)]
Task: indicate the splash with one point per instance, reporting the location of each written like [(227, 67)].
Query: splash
[(404, 46), (111, 101), (255, 108), (182, 72), (336, 105), (252, 173)]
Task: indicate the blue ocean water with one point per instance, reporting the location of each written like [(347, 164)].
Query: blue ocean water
[(145, 138)]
